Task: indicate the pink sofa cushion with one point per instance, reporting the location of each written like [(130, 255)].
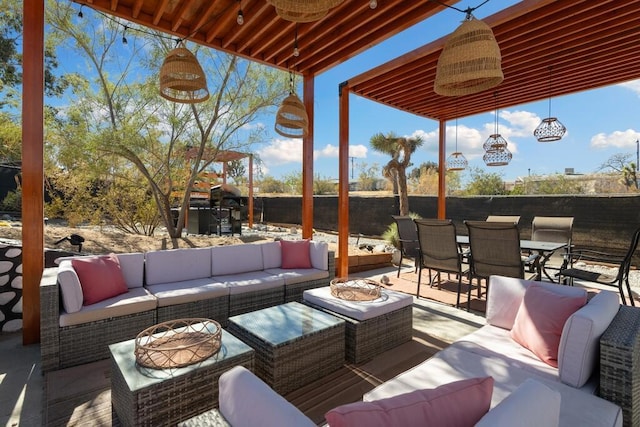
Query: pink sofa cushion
[(460, 403), (295, 254), (100, 278), (540, 319)]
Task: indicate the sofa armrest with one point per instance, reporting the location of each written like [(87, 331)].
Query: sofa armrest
[(266, 408), (332, 265), (49, 319)]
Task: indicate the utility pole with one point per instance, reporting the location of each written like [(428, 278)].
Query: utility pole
[(635, 174), (352, 160)]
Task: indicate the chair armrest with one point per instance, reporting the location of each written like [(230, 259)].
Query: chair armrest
[(50, 319), (591, 255)]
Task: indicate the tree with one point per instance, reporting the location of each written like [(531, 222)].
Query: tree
[(237, 171), (425, 167), (484, 183), (622, 163), (368, 176), (269, 184), (129, 125), (400, 149), (11, 59)]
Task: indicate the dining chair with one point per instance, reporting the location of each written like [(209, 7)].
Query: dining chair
[(439, 251), (407, 240), (558, 229), (495, 250), (504, 218), (622, 264)]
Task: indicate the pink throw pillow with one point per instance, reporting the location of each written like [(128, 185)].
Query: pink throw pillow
[(457, 404), (100, 278), (540, 319), (295, 254)]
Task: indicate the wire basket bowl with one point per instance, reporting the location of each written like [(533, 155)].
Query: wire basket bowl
[(355, 289), (178, 343)]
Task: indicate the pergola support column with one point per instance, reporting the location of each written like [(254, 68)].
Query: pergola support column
[(442, 169), (343, 182), (307, 160)]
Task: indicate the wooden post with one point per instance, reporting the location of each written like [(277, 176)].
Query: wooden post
[(343, 183), (32, 167), (250, 207), (442, 170), (307, 161)]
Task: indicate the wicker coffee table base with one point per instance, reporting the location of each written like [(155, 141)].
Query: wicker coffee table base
[(366, 339), (620, 364)]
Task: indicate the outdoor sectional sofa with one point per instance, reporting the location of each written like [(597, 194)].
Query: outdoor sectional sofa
[(214, 282), (485, 376)]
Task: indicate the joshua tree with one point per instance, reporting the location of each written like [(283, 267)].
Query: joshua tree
[(400, 149)]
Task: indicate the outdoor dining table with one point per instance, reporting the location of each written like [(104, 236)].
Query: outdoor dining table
[(545, 249)]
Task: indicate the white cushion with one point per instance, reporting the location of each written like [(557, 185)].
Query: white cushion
[(132, 266), (318, 252), (579, 348), (246, 401), (175, 265), (298, 275), (234, 259), (250, 281), (69, 287), (359, 310), (187, 291), (532, 404), (271, 255), (506, 294), (136, 300)]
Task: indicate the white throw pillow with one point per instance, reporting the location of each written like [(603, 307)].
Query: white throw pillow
[(70, 287), (579, 348), (532, 404), (318, 252)]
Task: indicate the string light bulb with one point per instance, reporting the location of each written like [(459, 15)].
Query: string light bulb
[(240, 17), (373, 4), (296, 51)]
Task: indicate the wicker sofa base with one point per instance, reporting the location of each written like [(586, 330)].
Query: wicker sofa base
[(620, 364), (211, 308), (368, 338), (255, 300)]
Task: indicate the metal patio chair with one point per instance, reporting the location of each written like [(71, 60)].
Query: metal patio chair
[(622, 264), (553, 229), (407, 239), (439, 251), (495, 250)]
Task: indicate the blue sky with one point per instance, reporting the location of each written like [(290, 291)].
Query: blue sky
[(600, 123)]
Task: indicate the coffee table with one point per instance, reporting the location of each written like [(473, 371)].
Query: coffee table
[(144, 396), (295, 344), (372, 327)]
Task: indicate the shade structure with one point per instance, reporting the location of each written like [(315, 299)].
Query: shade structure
[(303, 10), (182, 78), (496, 151), (292, 120), (457, 162), (549, 130), (470, 61)]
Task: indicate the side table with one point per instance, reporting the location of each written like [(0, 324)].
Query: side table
[(295, 344), (144, 396), (372, 327)]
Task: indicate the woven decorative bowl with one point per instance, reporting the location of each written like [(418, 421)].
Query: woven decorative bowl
[(177, 343), (355, 289)]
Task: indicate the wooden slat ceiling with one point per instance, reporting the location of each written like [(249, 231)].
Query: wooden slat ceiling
[(347, 30), (588, 44)]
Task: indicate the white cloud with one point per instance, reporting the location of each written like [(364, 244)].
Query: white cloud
[(282, 151), (618, 139), (332, 151), (633, 85), (522, 123)]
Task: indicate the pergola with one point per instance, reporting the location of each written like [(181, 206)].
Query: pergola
[(589, 44)]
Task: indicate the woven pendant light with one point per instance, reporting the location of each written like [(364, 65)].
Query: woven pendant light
[(470, 61), (495, 148), (456, 160), (303, 10), (549, 129), (291, 119), (181, 77)]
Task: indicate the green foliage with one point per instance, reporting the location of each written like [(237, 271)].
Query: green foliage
[(484, 183), (390, 235), (556, 184), (293, 183), (237, 170), (12, 202), (425, 167), (269, 184), (323, 185), (10, 138), (368, 176)]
